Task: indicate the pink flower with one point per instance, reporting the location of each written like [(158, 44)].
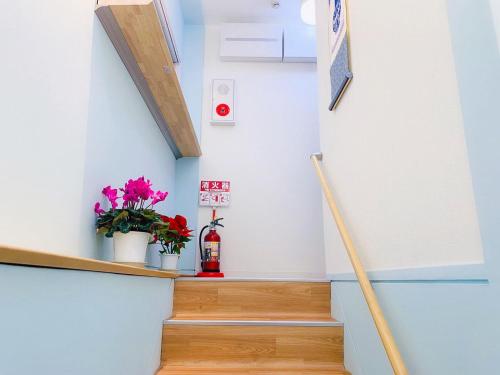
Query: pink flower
[(129, 198), (112, 196), (110, 193), (97, 209), (129, 193), (143, 188), (159, 197), (136, 190)]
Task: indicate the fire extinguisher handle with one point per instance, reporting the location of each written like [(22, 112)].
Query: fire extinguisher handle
[(216, 223)]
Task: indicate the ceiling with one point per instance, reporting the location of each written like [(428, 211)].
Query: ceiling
[(218, 11)]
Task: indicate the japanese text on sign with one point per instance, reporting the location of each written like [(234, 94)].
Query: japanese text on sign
[(215, 193)]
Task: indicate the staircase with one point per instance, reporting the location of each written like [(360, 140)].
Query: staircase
[(253, 328)]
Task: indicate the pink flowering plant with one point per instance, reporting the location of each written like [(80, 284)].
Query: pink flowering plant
[(137, 208)]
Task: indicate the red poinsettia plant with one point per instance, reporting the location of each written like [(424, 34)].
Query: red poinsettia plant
[(172, 233)]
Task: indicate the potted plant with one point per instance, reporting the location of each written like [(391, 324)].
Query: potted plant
[(132, 225), (172, 234)]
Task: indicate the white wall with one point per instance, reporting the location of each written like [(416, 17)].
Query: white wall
[(495, 10), (72, 121), (394, 149), (273, 226)]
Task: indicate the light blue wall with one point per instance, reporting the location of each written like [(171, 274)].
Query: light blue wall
[(80, 323), (192, 72), (442, 327), (187, 169), (72, 122), (446, 322), (187, 180), (173, 9), (477, 62), (123, 141)]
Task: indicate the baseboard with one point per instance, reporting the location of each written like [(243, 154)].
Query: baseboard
[(474, 272)]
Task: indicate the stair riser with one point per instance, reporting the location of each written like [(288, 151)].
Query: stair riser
[(253, 346), (251, 300)]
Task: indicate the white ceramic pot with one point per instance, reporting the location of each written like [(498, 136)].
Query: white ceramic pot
[(169, 261), (130, 247)]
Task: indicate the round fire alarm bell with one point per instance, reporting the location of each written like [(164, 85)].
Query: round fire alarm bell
[(222, 109)]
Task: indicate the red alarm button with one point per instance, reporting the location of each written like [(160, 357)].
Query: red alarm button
[(222, 109)]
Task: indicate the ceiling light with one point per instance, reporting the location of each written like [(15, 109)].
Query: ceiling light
[(308, 12)]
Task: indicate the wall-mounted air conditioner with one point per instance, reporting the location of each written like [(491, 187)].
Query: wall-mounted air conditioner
[(267, 42), (299, 44), (251, 42)]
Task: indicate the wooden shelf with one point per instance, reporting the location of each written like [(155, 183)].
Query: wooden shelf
[(136, 32), (25, 257)]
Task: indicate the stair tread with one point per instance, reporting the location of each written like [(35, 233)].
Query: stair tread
[(255, 322), (263, 279), (247, 317), (201, 316), (183, 370), (251, 318)]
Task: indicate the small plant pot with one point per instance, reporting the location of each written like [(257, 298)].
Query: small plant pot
[(169, 261), (131, 247)]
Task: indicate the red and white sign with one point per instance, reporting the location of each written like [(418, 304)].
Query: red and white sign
[(215, 193)]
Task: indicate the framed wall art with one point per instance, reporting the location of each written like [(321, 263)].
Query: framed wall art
[(340, 66)]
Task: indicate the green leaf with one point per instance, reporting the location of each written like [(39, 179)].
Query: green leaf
[(121, 216), (124, 226), (102, 230)]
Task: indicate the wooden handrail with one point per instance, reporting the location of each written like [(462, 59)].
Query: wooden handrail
[(383, 329)]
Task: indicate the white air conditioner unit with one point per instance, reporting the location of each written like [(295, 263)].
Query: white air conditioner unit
[(251, 42), (299, 44)]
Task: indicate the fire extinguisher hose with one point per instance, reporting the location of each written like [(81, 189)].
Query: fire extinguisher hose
[(201, 239)]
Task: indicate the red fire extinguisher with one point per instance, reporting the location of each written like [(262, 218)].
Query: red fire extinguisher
[(210, 249)]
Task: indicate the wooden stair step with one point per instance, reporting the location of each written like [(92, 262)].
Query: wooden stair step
[(176, 370), (255, 322), (238, 318), (254, 345), (266, 300)]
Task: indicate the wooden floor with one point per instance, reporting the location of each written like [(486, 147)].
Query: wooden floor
[(252, 328)]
